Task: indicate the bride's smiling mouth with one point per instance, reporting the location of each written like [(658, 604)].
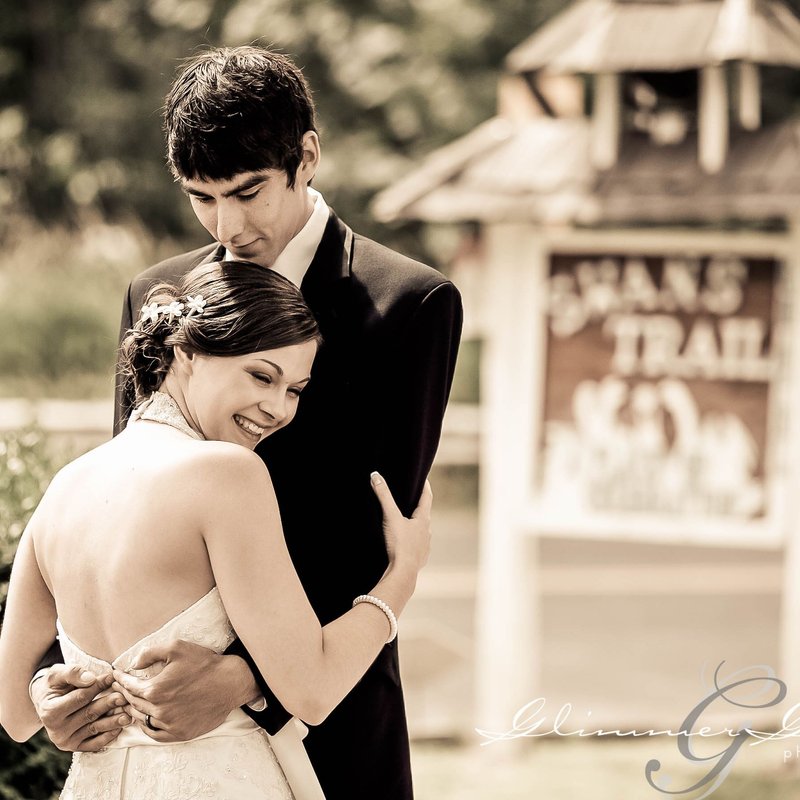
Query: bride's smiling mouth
[(248, 426)]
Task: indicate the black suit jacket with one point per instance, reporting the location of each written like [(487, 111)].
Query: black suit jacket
[(378, 392)]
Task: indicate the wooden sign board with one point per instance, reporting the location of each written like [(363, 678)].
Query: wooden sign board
[(658, 377)]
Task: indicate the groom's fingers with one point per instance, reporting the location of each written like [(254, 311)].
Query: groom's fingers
[(130, 685), (96, 735), (159, 734), (95, 743), (152, 655), (134, 691), (62, 678), (76, 730)]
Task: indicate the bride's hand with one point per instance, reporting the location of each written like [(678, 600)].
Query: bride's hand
[(408, 540)]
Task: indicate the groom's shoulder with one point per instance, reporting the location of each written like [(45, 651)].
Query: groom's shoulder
[(386, 272), (170, 269)]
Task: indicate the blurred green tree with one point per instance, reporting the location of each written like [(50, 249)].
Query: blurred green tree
[(34, 769), (81, 84)]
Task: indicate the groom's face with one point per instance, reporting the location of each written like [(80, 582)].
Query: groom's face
[(255, 214)]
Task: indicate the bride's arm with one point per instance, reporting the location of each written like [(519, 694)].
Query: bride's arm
[(29, 629), (309, 668)]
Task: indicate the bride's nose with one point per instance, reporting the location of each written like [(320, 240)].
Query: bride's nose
[(275, 408)]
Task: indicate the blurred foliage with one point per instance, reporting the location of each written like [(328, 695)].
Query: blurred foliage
[(86, 200), (81, 85), (34, 769), (83, 82), (81, 150), (61, 294)]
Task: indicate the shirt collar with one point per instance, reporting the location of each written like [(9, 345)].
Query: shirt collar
[(294, 260)]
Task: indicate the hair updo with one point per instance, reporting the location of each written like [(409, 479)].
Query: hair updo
[(248, 308)]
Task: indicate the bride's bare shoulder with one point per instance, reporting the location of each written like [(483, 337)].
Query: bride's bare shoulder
[(222, 459), (225, 474)]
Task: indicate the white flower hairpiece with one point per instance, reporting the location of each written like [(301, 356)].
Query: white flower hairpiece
[(194, 305)]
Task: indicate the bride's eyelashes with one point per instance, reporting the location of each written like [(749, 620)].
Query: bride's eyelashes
[(267, 380)]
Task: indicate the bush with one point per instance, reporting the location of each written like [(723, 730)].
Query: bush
[(61, 295), (34, 770)]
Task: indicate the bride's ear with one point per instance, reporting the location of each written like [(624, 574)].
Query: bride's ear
[(183, 360)]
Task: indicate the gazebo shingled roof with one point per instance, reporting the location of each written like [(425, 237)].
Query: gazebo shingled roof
[(594, 36), (594, 171), (540, 170), (490, 171)]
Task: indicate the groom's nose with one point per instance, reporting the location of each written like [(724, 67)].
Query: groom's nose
[(230, 221)]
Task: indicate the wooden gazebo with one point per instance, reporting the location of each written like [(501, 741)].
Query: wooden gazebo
[(639, 245)]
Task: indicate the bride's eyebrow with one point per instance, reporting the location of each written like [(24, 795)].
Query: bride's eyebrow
[(279, 369)]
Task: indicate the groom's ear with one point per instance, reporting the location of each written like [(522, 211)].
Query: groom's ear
[(311, 157)]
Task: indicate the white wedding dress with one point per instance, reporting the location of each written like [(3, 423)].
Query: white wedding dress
[(232, 762)]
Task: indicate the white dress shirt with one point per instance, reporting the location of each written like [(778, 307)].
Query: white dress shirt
[(295, 259)]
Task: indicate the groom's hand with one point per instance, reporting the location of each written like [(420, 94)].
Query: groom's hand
[(75, 718), (192, 694)]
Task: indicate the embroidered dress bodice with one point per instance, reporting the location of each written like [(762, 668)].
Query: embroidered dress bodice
[(204, 622), (232, 761)]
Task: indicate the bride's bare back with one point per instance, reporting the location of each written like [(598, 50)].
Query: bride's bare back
[(120, 541), (136, 531)]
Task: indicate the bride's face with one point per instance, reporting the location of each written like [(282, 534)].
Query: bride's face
[(244, 399)]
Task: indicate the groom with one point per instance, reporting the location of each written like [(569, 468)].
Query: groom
[(242, 143)]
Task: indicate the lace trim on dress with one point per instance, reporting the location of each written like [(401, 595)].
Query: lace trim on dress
[(160, 407)]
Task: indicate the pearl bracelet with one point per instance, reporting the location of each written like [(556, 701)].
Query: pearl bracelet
[(368, 598)]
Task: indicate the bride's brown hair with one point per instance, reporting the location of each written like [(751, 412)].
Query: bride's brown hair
[(248, 308)]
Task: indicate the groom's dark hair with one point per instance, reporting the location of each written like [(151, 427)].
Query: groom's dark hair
[(234, 110)]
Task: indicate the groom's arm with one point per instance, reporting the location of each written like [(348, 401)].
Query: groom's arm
[(415, 392)]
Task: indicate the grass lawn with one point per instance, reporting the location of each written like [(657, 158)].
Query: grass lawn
[(561, 769)]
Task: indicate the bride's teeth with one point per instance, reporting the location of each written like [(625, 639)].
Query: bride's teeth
[(249, 426)]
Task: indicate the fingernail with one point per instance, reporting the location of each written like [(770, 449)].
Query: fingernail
[(375, 478), (87, 676), (124, 720)]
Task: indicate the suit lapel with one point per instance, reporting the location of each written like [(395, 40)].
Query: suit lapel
[(327, 280), (215, 254)]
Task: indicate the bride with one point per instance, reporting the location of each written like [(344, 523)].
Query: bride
[(172, 530)]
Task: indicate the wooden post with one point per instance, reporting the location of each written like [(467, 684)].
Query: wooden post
[(790, 606), (749, 96), (713, 118), (606, 122), (507, 634)]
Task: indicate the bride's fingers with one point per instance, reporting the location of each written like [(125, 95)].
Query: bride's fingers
[(425, 502), (388, 506)]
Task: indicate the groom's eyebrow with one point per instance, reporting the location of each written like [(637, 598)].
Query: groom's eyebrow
[(238, 189), (279, 370)]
